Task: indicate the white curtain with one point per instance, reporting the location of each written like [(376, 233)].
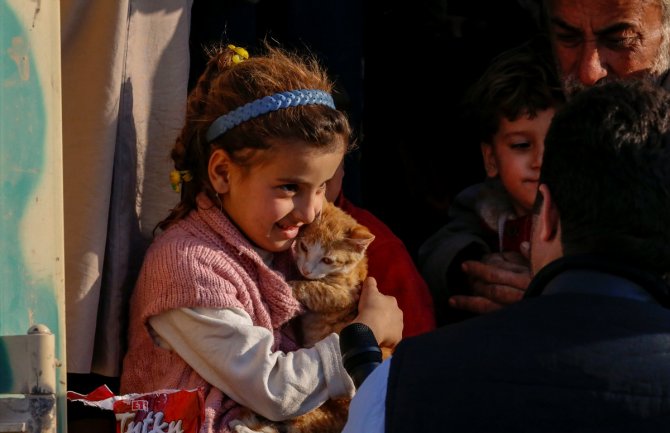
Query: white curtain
[(125, 67)]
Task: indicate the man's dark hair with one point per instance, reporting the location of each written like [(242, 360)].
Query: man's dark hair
[(607, 165)]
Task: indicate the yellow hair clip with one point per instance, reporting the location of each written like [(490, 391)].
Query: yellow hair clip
[(179, 176), (240, 54)]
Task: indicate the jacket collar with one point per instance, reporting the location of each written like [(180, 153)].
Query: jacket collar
[(599, 275)]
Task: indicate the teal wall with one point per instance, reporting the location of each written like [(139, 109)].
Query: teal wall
[(23, 296), (31, 283)]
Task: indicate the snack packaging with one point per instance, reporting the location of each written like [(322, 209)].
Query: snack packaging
[(164, 411)]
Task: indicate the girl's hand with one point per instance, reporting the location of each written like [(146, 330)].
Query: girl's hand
[(380, 313)]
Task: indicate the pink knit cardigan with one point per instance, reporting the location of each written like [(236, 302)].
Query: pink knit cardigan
[(202, 261)]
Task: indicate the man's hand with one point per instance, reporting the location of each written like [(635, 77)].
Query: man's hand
[(497, 280)]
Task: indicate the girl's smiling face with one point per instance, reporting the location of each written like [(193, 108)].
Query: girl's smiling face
[(271, 199), (516, 157)]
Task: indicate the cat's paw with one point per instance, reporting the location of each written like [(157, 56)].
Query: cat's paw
[(242, 425), (298, 288), (237, 426)]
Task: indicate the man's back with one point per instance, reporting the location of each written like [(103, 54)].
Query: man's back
[(575, 359)]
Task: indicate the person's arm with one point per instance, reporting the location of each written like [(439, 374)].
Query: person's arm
[(228, 351), (477, 279), (441, 255), (367, 410), (440, 258)]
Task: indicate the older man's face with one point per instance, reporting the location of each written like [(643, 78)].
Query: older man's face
[(596, 41)]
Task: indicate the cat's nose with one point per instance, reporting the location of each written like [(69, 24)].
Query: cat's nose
[(304, 271)]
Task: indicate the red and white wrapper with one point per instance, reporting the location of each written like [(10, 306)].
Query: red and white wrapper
[(164, 411)]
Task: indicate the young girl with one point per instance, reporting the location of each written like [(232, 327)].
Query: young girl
[(511, 107), (211, 305)]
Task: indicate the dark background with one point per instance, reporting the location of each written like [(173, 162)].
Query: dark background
[(402, 68)]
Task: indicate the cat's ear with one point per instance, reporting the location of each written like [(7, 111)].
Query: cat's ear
[(361, 237)]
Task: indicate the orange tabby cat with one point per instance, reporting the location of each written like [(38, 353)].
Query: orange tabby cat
[(330, 254)]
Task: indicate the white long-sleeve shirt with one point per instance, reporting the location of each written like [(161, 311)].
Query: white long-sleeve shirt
[(235, 356)]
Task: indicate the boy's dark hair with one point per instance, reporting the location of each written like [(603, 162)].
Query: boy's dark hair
[(518, 81), (607, 165)]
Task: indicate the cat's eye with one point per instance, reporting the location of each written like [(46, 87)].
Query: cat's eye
[(303, 246), (327, 260)]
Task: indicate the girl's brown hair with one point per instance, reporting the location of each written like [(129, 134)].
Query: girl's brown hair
[(225, 86)]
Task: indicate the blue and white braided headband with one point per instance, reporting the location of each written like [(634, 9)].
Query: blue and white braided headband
[(265, 105)]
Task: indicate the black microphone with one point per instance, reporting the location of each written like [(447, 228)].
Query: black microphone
[(360, 352)]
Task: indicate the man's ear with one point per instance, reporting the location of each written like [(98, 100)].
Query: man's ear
[(490, 164), (219, 170), (549, 221)]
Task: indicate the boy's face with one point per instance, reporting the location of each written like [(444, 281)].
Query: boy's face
[(515, 156)]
